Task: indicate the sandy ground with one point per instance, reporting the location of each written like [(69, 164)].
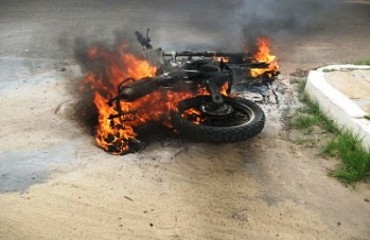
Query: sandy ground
[(55, 183)]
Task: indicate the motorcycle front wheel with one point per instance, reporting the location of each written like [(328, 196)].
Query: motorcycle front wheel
[(245, 120)]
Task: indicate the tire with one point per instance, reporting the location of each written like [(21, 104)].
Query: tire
[(229, 131)]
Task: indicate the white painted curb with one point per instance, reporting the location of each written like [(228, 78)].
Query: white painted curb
[(336, 105)]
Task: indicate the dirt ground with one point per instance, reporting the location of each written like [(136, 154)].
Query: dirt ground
[(55, 183)]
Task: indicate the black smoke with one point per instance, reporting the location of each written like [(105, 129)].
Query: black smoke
[(228, 23)]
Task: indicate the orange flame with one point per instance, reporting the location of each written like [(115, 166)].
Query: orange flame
[(219, 59), (263, 55), (195, 115), (115, 134)]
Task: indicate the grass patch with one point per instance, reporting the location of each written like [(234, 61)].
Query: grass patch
[(308, 143), (363, 62), (343, 144), (312, 115), (305, 122), (356, 161)]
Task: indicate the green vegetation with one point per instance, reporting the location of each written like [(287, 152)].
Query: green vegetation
[(310, 115), (340, 143), (363, 62), (306, 122), (356, 161)]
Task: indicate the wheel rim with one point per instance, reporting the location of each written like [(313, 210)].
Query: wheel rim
[(241, 114)]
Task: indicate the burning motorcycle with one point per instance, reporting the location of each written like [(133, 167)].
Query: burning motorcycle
[(189, 92)]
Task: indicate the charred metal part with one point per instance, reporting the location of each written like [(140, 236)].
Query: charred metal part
[(144, 41), (110, 138), (214, 91), (120, 113), (255, 65), (136, 146), (218, 110), (138, 89), (205, 72), (238, 57), (142, 87), (112, 148), (216, 107), (119, 88)]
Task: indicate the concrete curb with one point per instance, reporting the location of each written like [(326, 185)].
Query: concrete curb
[(338, 106)]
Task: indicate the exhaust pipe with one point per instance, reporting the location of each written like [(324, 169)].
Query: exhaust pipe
[(139, 89)]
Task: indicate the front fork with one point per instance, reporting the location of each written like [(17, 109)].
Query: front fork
[(217, 106)]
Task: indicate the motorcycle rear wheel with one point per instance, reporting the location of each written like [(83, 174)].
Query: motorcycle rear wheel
[(246, 120)]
